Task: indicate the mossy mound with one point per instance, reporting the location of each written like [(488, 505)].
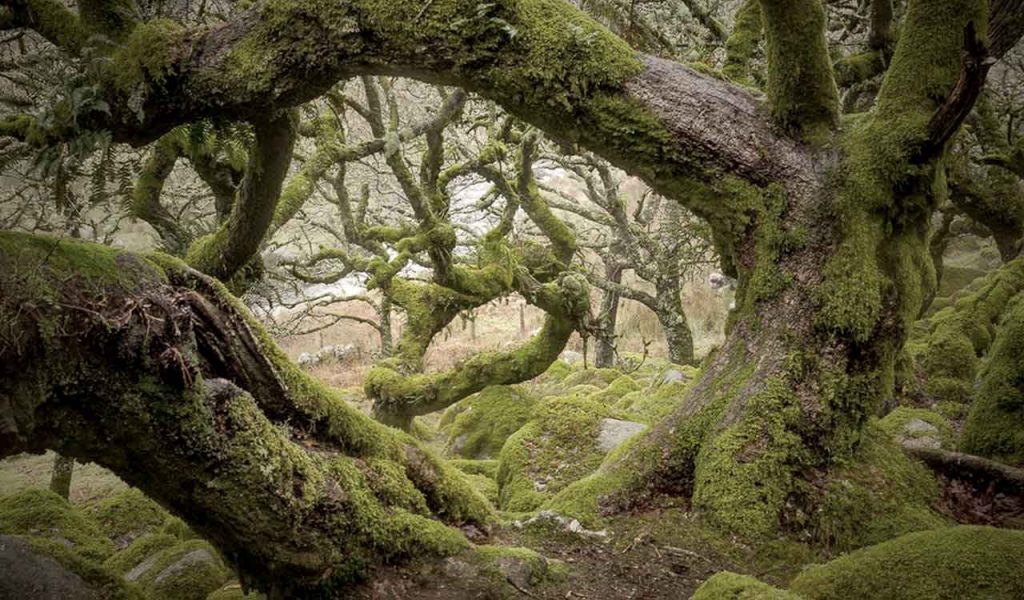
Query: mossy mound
[(918, 427), (44, 514), (127, 515), (726, 585), (649, 406), (879, 494), (483, 421), (995, 423), (599, 378), (624, 384), (186, 571), (487, 487), (138, 551), (962, 563), (554, 449), (34, 567)]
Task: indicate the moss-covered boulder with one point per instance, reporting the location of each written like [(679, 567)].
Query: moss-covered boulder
[(179, 529), (488, 467), (599, 378), (918, 428), (995, 423), (726, 585), (186, 571), (955, 563), (622, 385), (140, 550), (32, 567), (554, 449), (479, 425), (127, 515), (44, 514), (877, 495)]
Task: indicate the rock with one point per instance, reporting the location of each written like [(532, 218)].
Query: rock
[(917, 427), (187, 571), (29, 574), (922, 442), (615, 432), (564, 523), (672, 375), (571, 357)]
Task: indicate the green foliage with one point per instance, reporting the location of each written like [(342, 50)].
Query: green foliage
[(956, 563), (43, 514)]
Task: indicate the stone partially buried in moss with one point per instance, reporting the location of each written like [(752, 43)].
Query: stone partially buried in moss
[(44, 514), (954, 563), (486, 419), (918, 428), (622, 385), (651, 405), (187, 571), (554, 449), (141, 549), (599, 378), (126, 515), (522, 567), (32, 567)]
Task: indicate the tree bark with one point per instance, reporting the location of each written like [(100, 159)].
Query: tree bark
[(604, 354), (672, 317)]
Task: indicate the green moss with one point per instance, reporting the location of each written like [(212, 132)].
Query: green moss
[(187, 571), (947, 348), (127, 515), (148, 54), (43, 514), (962, 563), (878, 494), (233, 591), (138, 551), (179, 529), (108, 585), (486, 419), (599, 378), (554, 449), (476, 467), (995, 423), (895, 424), (726, 585), (501, 560), (651, 405), (743, 42), (486, 486), (618, 388)]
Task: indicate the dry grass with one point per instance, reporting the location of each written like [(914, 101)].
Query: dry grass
[(89, 482)]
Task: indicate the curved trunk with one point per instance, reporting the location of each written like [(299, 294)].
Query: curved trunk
[(153, 371), (672, 317)]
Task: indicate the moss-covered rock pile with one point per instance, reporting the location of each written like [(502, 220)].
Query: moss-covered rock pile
[(117, 547)]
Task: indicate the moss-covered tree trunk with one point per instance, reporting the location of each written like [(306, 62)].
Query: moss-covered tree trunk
[(608, 316), (153, 371), (672, 318)]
